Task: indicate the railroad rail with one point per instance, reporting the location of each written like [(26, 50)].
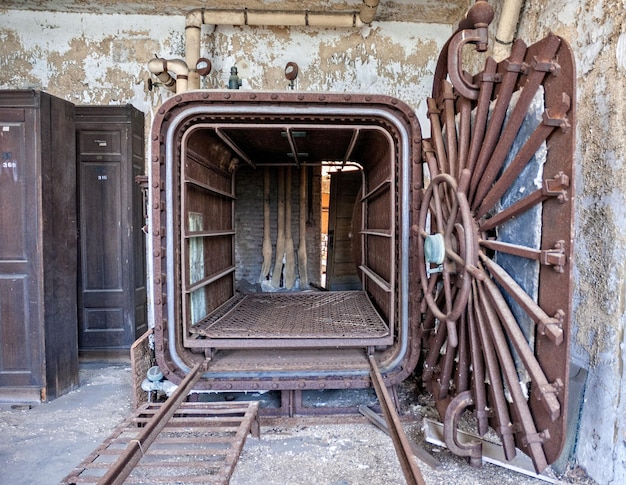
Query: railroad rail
[(412, 473), (172, 442), (200, 442)]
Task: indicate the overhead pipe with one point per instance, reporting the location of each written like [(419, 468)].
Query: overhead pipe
[(197, 17), (161, 68), (507, 27)]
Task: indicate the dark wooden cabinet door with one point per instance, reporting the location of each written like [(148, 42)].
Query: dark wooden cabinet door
[(19, 345), (112, 296), (38, 349)]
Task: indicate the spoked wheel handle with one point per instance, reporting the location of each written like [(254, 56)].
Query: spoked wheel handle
[(447, 248)]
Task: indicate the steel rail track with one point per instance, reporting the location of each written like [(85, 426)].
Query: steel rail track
[(411, 471), (173, 442)]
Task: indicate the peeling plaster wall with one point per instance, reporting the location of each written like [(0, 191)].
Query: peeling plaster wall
[(101, 59), (597, 32), (86, 59)]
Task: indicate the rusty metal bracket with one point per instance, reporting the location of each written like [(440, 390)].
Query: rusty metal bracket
[(555, 187), (557, 117), (550, 66), (489, 77), (555, 257), (536, 438), (552, 327), (519, 67)]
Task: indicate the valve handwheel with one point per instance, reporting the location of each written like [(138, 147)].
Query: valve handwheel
[(450, 249)]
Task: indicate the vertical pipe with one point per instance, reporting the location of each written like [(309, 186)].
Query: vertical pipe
[(193, 29), (302, 256), (367, 12), (507, 27), (280, 237), (267, 241)]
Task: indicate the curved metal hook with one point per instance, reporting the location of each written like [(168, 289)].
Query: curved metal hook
[(458, 77), (473, 450), (472, 30)]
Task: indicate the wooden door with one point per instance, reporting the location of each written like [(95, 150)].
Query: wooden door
[(112, 294), (38, 352), (341, 269), (20, 330)]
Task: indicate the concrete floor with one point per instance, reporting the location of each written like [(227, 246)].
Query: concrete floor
[(40, 445)]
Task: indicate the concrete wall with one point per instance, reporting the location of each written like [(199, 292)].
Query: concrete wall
[(101, 59)]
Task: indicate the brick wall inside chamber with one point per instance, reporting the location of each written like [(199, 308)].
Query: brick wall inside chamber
[(249, 223)]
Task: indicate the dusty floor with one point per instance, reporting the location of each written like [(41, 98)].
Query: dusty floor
[(40, 445)]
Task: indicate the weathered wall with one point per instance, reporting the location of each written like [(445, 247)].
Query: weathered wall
[(596, 29), (101, 59)]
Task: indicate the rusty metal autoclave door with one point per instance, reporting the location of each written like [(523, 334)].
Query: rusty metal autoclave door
[(495, 245)]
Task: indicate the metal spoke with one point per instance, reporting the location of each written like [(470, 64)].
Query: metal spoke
[(478, 370), (499, 403), (546, 390), (533, 438), (482, 111), (465, 108), (450, 124), (552, 187), (436, 135), (515, 120), (512, 171), (494, 127), (550, 326)]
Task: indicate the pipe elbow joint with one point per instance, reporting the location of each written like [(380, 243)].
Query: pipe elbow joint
[(194, 18), (161, 68), (178, 67)]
